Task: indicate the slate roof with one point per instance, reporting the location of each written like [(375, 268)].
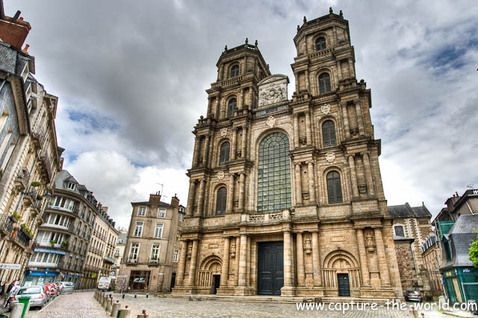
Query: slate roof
[(461, 236), (406, 211), (161, 204)]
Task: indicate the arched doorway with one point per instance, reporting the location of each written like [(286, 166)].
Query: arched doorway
[(210, 273), (341, 272)]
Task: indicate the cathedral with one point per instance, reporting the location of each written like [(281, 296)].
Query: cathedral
[(285, 195)]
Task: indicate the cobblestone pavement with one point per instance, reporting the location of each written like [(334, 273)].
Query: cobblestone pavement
[(83, 304), (75, 305)]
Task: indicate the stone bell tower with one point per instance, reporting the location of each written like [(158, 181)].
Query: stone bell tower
[(286, 196)]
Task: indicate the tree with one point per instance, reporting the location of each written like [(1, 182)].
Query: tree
[(473, 251)]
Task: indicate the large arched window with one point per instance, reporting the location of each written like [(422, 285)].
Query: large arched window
[(273, 180), (334, 189), (234, 70), (231, 107), (221, 198), (324, 83), (328, 133), (224, 152), (320, 43)]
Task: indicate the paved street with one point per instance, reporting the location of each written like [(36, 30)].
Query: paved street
[(82, 304), (75, 305)]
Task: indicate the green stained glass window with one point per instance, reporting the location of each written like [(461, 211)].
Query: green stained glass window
[(273, 181)]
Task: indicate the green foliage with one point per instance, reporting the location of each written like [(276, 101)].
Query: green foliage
[(26, 229), (473, 251), (16, 215), (35, 184)]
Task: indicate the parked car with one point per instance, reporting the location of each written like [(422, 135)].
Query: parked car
[(413, 295), (38, 297), (50, 289), (67, 287)]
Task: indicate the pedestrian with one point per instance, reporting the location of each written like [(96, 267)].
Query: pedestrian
[(12, 293)]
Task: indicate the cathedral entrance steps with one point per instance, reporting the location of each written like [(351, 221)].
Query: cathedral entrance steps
[(281, 299)]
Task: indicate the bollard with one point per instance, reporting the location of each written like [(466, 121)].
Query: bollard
[(105, 302), (114, 309), (147, 295), (16, 310), (109, 304), (123, 296), (123, 313), (143, 314), (134, 295)]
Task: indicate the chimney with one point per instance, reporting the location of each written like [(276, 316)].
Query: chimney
[(13, 30), (155, 198), (175, 201)]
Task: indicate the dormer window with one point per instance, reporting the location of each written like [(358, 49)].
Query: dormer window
[(71, 186), (320, 43), (234, 70)]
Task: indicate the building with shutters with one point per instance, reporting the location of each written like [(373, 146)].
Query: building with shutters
[(285, 195)]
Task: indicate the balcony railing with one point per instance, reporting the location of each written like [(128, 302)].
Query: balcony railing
[(132, 261), (15, 232)]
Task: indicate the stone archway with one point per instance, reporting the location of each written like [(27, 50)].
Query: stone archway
[(337, 265), (209, 271)]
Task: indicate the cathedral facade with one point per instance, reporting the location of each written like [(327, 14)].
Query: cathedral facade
[(286, 196)]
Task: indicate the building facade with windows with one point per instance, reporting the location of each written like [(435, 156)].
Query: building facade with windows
[(411, 228), (456, 226), (285, 196), (29, 153), (150, 257), (66, 246), (432, 256)]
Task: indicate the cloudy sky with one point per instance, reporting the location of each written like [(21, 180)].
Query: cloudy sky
[(131, 79)]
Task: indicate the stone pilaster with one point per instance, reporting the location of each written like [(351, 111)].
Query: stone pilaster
[(242, 261), (316, 259), (230, 194), (368, 174), (359, 118), (192, 266), (298, 190), (311, 181), (296, 130), (225, 263), (363, 258), (300, 260), (182, 262), (382, 260), (307, 128), (353, 176), (346, 121), (242, 185)]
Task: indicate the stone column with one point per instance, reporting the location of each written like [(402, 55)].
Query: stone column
[(382, 260), (237, 260), (307, 128), (182, 262), (196, 151), (233, 144), (363, 258), (359, 118), (298, 190), (192, 266), (244, 133), (346, 121), (206, 152), (241, 191), (225, 263), (242, 261), (296, 130), (300, 260), (192, 189), (311, 181), (230, 194), (287, 259), (368, 174), (200, 203), (316, 259), (353, 175)]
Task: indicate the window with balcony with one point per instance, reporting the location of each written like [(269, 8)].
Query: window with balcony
[(138, 231), (324, 83), (234, 70), (158, 232), (320, 43)]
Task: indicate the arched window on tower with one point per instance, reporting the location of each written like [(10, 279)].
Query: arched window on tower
[(273, 181), (231, 107), (320, 43), (234, 70), (221, 198), (328, 133), (334, 189), (324, 83), (224, 152)]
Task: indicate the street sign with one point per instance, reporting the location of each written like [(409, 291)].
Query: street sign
[(9, 266)]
